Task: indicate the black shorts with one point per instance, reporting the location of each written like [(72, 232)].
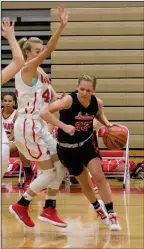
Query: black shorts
[(75, 158)]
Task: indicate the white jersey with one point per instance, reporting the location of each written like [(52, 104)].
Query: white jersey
[(8, 122), (31, 132), (5, 152), (32, 99), (4, 136)]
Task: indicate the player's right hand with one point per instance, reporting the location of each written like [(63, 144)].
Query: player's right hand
[(69, 129), (8, 28)]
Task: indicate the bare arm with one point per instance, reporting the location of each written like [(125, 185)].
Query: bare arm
[(46, 114), (58, 105), (54, 94), (17, 60), (51, 128), (101, 116), (95, 123), (51, 45)]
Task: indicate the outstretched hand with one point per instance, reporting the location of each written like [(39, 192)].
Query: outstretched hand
[(8, 28), (64, 15)]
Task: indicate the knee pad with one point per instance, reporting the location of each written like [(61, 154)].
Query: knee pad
[(60, 172), (43, 180), (5, 158), (51, 143)]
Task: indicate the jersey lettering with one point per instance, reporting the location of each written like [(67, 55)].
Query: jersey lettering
[(82, 126)]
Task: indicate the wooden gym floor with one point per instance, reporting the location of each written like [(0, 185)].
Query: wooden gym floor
[(84, 230)]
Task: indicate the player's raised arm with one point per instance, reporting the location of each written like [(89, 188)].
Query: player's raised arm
[(17, 57), (51, 45)]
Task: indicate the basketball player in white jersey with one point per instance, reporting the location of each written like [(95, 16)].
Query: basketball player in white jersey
[(8, 73), (30, 131), (9, 115)]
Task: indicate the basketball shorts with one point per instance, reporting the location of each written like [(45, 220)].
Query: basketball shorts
[(33, 139), (74, 159)]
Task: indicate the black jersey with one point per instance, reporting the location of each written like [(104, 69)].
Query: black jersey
[(79, 116)]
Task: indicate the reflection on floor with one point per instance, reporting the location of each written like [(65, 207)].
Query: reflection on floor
[(84, 229)]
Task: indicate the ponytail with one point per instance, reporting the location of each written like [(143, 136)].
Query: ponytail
[(21, 42)]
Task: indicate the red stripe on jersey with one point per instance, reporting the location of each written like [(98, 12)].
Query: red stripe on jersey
[(35, 98), (8, 115), (33, 132)]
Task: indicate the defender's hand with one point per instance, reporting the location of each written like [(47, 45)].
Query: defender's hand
[(64, 15), (8, 29)]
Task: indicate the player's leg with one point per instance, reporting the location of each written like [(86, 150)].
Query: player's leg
[(20, 209), (29, 174), (49, 212), (105, 191), (91, 158), (76, 168), (32, 150)]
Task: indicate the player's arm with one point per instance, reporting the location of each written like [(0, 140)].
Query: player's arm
[(17, 57), (46, 114), (51, 45), (58, 105), (54, 94), (100, 114), (95, 123), (51, 128)]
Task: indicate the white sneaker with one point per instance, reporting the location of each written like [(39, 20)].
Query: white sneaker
[(101, 203), (113, 222), (103, 215)]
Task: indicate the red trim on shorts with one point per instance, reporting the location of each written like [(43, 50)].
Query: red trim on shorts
[(33, 132), (35, 98)]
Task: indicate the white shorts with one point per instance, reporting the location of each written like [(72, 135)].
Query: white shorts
[(33, 139)]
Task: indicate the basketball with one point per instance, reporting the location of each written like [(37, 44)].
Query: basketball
[(115, 137)]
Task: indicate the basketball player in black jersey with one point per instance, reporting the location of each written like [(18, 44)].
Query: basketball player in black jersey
[(81, 150)]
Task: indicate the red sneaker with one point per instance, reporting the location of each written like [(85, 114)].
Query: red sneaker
[(21, 213), (50, 215), (93, 184), (28, 179)]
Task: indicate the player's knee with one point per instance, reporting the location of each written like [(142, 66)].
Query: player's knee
[(99, 178), (60, 172), (43, 180)]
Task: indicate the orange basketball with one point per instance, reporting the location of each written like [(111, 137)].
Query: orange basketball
[(115, 137)]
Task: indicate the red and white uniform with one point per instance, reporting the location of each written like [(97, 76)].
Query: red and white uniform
[(5, 151), (30, 131), (8, 122)]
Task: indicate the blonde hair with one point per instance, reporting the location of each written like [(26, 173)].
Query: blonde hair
[(26, 44), (40, 70), (88, 78)]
